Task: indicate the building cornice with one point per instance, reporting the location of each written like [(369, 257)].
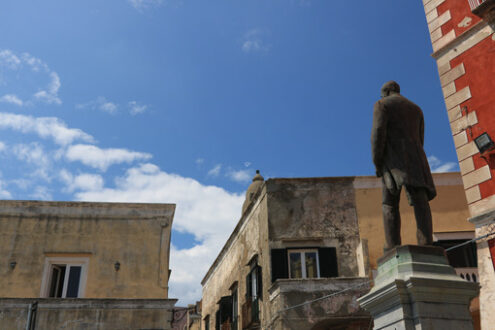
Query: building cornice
[(88, 303), (483, 219), (87, 210)]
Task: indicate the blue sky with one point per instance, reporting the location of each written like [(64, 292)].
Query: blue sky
[(180, 101)]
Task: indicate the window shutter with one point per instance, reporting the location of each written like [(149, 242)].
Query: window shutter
[(217, 320), (74, 279), (328, 262), (207, 322), (280, 267), (259, 288), (225, 309)]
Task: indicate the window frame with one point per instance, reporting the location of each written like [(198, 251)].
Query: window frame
[(50, 262), (302, 253)]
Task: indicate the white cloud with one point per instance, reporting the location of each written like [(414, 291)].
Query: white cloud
[(50, 94), (240, 176), (9, 59), (88, 182), (253, 41), (31, 153), (144, 4), (438, 166), (96, 157), (32, 65), (4, 194), (101, 103), (2, 146), (199, 161), (109, 107), (45, 127), (41, 193), (84, 181), (189, 266), (136, 108), (215, 171), (21, 183), (35, 63), (34, 154), (209, 213), (12, 99)]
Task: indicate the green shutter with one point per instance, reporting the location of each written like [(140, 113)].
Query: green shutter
[(328, 262), (280, 267)]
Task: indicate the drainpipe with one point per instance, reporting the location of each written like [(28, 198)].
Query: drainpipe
[(31, 318)]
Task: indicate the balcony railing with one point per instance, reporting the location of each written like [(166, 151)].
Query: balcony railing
[(483, 8), (469, 274), (250, 313)]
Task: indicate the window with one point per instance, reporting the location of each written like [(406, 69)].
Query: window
[(224, 313), (64, 277), (304, 263), (253, 283), (254, 292), (207, 322), (218, 323), (461, 257), (235, 313)]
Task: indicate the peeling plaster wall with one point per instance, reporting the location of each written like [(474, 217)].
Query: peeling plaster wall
[(318, 211), (251, 239), (340, 311), (135, 235), (309, 212)]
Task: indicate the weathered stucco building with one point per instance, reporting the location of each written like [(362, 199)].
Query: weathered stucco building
[(301, 241), (463, 41), (81, 265)]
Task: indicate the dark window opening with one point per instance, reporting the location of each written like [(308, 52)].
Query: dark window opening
[(217, 320), (57, 282), (235, 308), (207, 322), (64, 281), (461, 257)]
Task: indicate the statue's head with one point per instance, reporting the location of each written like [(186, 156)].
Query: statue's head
[(389, 88)]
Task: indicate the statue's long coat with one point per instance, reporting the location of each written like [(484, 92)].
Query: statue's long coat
[(397, 139)]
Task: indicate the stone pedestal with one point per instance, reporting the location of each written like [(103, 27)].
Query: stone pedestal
[(416, 288)]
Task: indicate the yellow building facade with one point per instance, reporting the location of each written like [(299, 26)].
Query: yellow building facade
[(64, 257), (449, 212)]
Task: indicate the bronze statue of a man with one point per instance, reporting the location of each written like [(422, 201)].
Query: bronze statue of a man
[(397, 139)]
